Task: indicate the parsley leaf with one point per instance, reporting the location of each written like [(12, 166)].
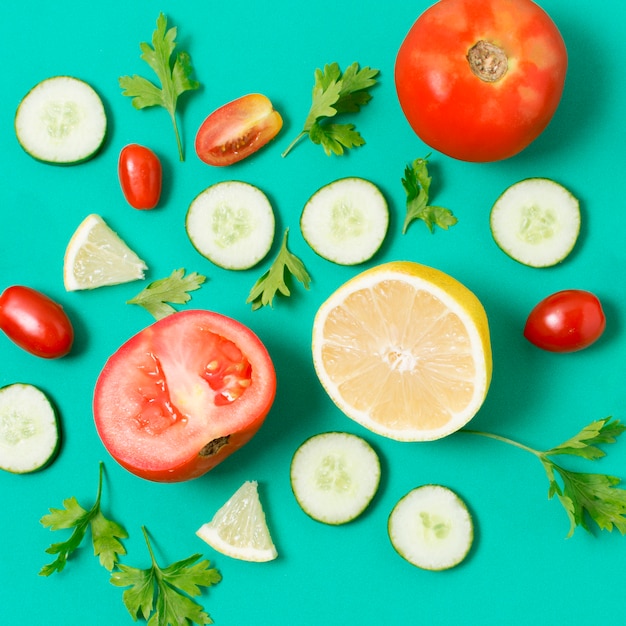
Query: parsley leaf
[(416, 183), (105, 533), (274, 280), (584, 496), (164, 595), (173, 76), (335, 93), (172, 289)]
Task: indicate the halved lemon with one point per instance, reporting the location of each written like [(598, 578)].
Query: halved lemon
[(96, 256), (239, 528), (404, 350)]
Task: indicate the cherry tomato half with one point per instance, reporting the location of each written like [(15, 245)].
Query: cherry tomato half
[(182, 395), (566, 321), (237, 130), (140, 173), (479, 81), (35, 322)]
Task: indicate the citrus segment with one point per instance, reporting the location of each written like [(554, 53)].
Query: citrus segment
[(404, 350), (96, 256), (239, 528)]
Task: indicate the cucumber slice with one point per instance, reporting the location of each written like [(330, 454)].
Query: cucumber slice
[(29, 429), (61, 120), (232, 224), (536, 222), (346, 221), (334, 476), (431, 528)]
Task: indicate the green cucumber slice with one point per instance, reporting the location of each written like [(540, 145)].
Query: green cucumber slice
[(29, 429), (431, 528), (61, 120), (232, 224), (536, 222), (334, 477), (346, 221)]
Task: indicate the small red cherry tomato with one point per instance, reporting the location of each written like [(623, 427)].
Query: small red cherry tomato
[(35, 322), (237, 129), (566, 321), (140, 175), (479, 81)]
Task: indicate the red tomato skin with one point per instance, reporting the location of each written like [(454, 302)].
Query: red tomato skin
[(35, 322), (119, 414), (566, 321), (455, 112), (237, 129), (141, 176)]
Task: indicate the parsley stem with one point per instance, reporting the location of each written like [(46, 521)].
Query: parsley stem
[(511, 442), (179, 143), (293, 143)]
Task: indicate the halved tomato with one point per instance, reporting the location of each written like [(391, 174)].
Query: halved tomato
[(182, 395), (237, 129)]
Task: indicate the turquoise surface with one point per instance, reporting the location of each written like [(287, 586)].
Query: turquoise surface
[(522, 569)]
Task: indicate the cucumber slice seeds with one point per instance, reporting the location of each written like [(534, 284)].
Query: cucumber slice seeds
[(334, 477), (29, 430), (536, 222), (232, 224), (346, 221), (431, 528), (61, 120)]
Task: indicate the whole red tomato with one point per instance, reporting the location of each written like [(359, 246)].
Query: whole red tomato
[(480, 80), (35, 322), (566, 321), (141, 176), (182, 395), (237, 130)]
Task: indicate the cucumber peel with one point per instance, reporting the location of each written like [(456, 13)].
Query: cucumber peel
[(29, 429)]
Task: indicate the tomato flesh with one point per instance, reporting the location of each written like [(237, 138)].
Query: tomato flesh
[(237, 129), (141, 176), (566, 321), (35, 322), (182, 395), (463, 97)]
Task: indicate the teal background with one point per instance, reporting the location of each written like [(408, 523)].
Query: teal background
[(522, 568)]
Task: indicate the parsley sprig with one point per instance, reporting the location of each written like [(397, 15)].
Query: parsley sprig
[(416, 183), (584, 496), (335, 92), (275, 279), (163, 596), (173, 76), (159, 295), (105, 533)]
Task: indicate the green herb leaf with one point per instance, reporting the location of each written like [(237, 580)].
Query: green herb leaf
[(174, 77), (335, 93), (105, 533), (164, 595), (416, 183), (275, 279), (584, 496), (173, 289)]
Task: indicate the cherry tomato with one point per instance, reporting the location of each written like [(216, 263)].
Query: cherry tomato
[(479, 81), (35, 322), (237, 130), (566, 321), (140, 173), (182, 395)]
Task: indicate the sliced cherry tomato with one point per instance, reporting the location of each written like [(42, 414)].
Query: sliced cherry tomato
[(182, 395), (566, 321), (141, 176), (35, 322), (237, 130), (479, 81)]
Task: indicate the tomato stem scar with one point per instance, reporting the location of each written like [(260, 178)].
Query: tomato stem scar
[(487, 61)]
